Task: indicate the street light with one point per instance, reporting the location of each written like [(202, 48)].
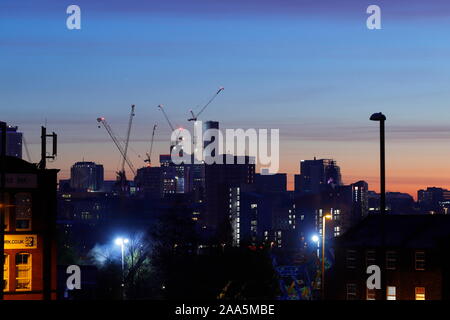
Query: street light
[(382, 118), (324, 219), (121, 242)]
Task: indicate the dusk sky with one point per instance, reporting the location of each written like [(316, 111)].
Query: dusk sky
[(310, 68)]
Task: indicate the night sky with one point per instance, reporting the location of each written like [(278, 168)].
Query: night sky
[(310, 68)]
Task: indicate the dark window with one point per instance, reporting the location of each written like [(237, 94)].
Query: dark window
[(419, 260), (351, 259), (391, 260)]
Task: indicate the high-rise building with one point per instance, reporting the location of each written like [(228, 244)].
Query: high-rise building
[(271, 183), (316, 175), (86, 176), (148, 181), (13, 142), (206, 126), (219, 178)]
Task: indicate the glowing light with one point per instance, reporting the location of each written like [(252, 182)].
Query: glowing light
[(315, 238)]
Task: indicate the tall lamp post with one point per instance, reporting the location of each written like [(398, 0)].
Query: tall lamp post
[(381, 118), (121, 242), (324, 219)]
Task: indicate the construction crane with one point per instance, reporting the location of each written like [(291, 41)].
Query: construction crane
[(116, 142), (178, 138), (165, 116), (127, 139), (149, 154), (195, 116)]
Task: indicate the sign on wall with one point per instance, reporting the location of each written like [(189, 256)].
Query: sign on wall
[(20, 180), (20, 241)]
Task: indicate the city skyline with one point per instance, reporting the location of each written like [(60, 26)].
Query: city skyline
[(312, 70)]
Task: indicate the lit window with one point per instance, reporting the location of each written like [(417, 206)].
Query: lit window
[(23, 211), (391, 293), (6, 273), (420, 293), (391, 260), (23, 271), (370, 294), (370, 257), (351, 291), (420, 260), (351, 259)]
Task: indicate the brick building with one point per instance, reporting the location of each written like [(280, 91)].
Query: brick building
[(29, 242), (413, 258)]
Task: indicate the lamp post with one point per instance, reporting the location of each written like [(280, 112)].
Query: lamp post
[(382, 118), (121, 242), (324, 219)]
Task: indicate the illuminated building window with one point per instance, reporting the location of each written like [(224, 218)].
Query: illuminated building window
[(351, 259), (370, 294), (419, 260), (23, 271), (23, 211), (370, 257), (6, 273), (391, 260), (391, 293), (420, 293), (351, 291)]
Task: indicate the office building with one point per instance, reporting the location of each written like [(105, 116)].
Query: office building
[(13, 142), (317, 175), (86, 176)]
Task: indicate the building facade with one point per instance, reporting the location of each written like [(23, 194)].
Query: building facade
[(86, 176), (30, 218)]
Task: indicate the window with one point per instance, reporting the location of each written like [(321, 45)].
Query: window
[(370, 294), (370, 257), (351, 291), (391, 293), (419, 260), (420, 293), (351, 259), (23, 211), (391, 260), (6, 273), (6, 210), (23, 271)]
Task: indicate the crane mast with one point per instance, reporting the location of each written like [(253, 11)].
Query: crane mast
[(149, 154), (116, 142), (127, 140)]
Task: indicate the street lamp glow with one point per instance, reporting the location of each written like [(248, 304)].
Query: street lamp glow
[(121, 242), (315, 238)]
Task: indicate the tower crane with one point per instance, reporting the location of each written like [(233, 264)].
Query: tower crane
[(165, 116), (195, 116), (149, 154), (119, 146), (127, 139), (170, 124)]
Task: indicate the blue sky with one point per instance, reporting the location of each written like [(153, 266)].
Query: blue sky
[(310, 68)]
